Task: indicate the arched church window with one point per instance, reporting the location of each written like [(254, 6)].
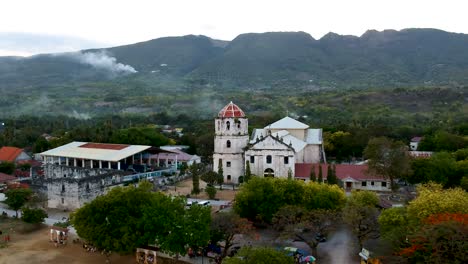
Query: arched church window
[(228, 125), (63, 187), (228, 144), (229, 177), (238, 124), (269, 173), (268, 159)]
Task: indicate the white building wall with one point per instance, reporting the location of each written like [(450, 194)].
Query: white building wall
[(310, 154), (277, 163), (369, 187), (234, 130)]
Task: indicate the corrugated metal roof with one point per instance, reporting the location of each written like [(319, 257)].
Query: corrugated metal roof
[(314, 136), (75, 150), (287, 123), (9, 153)]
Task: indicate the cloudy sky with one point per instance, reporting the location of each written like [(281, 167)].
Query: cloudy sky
[(30, 26)]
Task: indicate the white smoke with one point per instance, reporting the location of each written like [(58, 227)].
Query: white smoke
[(100, 60)]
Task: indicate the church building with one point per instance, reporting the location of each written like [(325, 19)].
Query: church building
[(271, 151)]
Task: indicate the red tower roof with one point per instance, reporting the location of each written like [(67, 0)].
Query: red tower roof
[(231, 110)]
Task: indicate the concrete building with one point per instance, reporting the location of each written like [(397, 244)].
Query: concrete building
[(353, 177), (78, 172)]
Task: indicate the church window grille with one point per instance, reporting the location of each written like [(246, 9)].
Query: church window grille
[(63, 187), (286, 160), (268, 159), (228, 164), (228, 125), (252, 159), (228, 143), (363, 184)]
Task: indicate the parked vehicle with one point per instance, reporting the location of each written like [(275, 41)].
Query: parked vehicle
[(204, 203)]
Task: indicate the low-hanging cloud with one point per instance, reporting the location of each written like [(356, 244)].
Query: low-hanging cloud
[(100, 60)]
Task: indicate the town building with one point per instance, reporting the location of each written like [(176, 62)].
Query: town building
[(271, 151), (414, 143), (78, 172), (352, 176), (13, 154)]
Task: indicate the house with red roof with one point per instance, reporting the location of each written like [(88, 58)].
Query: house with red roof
[(4, 178), (354, 177), (12, 154)]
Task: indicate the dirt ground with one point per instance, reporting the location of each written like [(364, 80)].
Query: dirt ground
[(185, 187), (35, 248)]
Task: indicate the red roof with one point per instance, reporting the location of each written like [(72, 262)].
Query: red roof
[(6, 178), (9, 153), (416, 139), (231, 110), (343, 171), (104, 146)]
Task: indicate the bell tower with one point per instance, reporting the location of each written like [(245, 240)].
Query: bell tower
[(231, 138)]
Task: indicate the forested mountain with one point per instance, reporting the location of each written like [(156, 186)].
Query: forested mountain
[(185, 72)]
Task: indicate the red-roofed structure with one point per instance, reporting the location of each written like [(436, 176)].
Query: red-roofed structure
[(104, 146), (231, 110), (4, 178), (352, 176), (12, 154)]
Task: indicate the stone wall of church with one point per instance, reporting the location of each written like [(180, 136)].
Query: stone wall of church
[(232, 126), (277, 164), (237, 144), (232, 170), (69, 187)]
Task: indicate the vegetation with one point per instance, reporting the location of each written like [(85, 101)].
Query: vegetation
[(261, 198), (210, 191), (361, 213), (227, 224), (33, 216), (387, 158), (129, 217), (259, 255), (7, 167), (431, 229), (17, 198)]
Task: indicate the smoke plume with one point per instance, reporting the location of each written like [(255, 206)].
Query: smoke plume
[(100, 60)]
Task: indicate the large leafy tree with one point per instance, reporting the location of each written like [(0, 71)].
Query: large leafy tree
[(33, 216), (259, 255), (130, 217), (16, 198), (7, 167), (387, 158), (225, 225), (361, 214), (299, 223), (261, 198)]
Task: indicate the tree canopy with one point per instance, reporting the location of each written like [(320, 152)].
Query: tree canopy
[(130, 217), (261, 198), (16, 198), (259, 255)]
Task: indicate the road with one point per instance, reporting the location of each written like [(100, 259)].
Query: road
[(339, 248)]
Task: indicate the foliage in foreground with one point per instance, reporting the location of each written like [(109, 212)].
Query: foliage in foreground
[(259, 255), (33, 216), (129, 217), (433, 228), (16, 198), (260, 198)]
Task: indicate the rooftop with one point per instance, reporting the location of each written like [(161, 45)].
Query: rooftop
[(287, 123), (9, 153), (95, 151), (231, 110)]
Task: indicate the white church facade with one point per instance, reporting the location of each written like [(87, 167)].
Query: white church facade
[(271, 152)]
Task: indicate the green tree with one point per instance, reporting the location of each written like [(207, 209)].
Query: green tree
[(220, 178), (7, 167), (433, 199), (16, 198), (361, 214), (33, 216), (312, 177), (129, 217), (320, 174), (260, 198), (210, 177), (387, 158), (259, 255), (299, 223), (196, 169), (394, 225), (225, 225), (248, 172), (331, 175), (210, 191)]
